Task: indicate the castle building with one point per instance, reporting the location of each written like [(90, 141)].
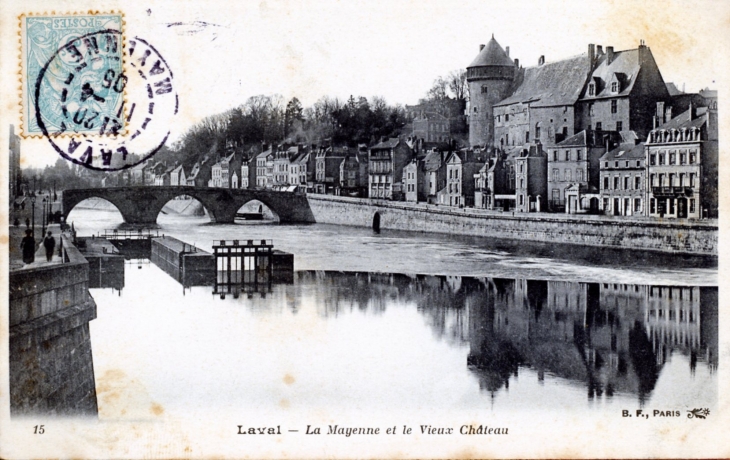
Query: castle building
[(611, 91), (490, 77)]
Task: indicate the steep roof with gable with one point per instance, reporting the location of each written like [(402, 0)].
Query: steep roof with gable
[(492, 55), (684, 120), (432, 161), (552, 84), (625, 65)]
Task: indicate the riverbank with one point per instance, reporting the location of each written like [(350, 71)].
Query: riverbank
[(669, 236)]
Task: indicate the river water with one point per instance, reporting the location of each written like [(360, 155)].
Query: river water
[(408, 323)]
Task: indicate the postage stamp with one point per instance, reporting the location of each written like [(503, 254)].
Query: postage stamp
[(72, 77)]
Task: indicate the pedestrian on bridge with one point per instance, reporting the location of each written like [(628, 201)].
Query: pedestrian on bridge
[(49, 243), (27, 245)]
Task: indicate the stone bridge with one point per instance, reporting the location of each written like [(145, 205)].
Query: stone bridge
[(141, 205)]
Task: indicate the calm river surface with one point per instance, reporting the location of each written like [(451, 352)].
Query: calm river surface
[(408, 322)]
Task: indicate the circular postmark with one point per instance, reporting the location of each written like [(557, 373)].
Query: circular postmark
[(94, 113)]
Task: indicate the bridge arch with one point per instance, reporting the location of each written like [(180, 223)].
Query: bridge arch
[(186, 205), (254, 205)]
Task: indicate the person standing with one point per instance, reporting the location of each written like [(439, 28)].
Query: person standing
[(49, 243), (27, 245)]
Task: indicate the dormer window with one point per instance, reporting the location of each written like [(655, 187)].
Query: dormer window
[(614, 87), (592, 89)]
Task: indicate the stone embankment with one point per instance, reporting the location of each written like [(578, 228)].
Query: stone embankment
[(674, 236)]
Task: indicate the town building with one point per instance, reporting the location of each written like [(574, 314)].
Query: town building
[(327, 168), (177, 176), (386, 161), (432, 127), (200, 174), (261, 161), (574, 163), (531, 179), (682, 165), (460, 169), (222, 173), (623, 180), (414, 183)]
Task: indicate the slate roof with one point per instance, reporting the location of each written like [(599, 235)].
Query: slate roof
[(625, 152), (673, 90), (683, 120), (576, 140), (627, 67), (552, 84), (492, 55), (432, 162), (389, 144)]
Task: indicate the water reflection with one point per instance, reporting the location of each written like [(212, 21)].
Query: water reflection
[(607, 338)]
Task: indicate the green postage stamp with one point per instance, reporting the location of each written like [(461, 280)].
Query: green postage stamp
[(71, 75)]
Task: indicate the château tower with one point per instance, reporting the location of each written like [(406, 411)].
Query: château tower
[(490, 78)]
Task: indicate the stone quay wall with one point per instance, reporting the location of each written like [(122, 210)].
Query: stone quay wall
[(51, 366), (673, 236)]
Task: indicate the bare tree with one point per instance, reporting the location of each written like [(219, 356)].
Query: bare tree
[(456, 81)]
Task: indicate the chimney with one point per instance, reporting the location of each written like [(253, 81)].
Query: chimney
[(506, 50), (481, 47), (541, 61), (599, 50), (609, 54), (517, 63), (591, 53)]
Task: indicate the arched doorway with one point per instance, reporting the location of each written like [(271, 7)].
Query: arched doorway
[(376, 222)]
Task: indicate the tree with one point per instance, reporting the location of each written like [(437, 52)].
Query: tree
[(456, 81), (292, 114)]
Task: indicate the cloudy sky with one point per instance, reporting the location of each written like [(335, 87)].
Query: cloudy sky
[(224, 52)]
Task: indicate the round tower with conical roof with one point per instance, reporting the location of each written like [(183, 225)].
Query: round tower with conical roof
[(490, 78)]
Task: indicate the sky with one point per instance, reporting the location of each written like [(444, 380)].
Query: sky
[(224, 52)]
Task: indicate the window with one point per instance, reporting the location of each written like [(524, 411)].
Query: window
[(619, 126), (522, 167), (556, 174), (590, 109), (605, 164), (577, 155), (672, 158), (637, 183), (592, 89), (692, 205), (671, 179), (568, 174), (484, 89), (683, 158), (567, 155), (661, 159), (626, 183), (522, 200), (499, 118), (579, 175), (555, 155), (527, 136), (506, 117), (614, 87), (605, 183), (599, 126), (638, 164), (637, 205), (652, 159), (605, 204), (661, 180), (691, 179), (537, 131), (522, 183), (692, 158), (614, 106), (615, 183)]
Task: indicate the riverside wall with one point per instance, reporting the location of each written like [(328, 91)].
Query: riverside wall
[(673, 236), (51, 366)]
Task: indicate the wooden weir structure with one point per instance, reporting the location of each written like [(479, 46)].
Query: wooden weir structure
[(243, 266)]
